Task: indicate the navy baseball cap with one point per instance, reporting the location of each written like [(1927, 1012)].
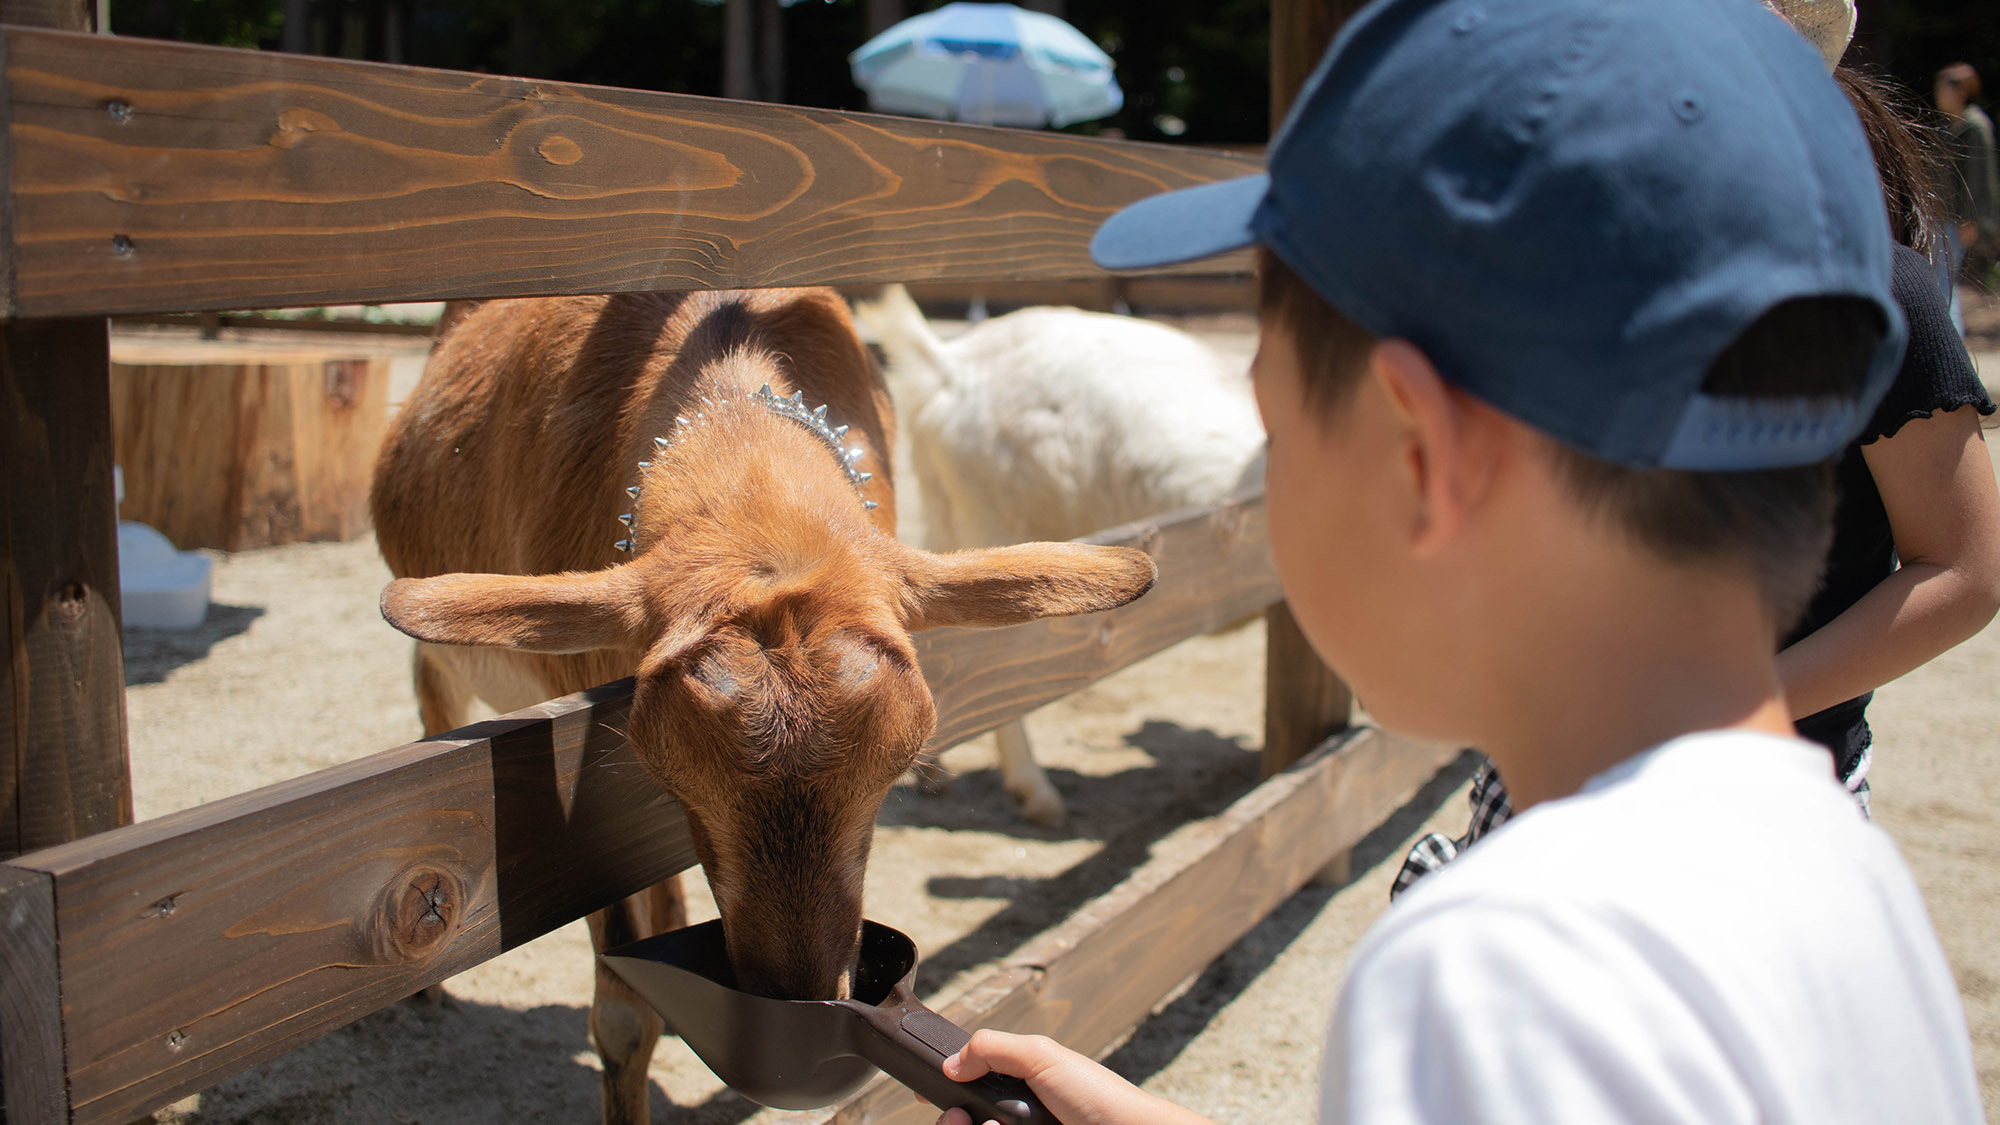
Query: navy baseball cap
[(1572, 207)]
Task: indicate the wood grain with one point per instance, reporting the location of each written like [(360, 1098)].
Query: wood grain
[(63, 770), (1093, 978), (156, 176), (233, 448), (31, 1058), (199, 943)]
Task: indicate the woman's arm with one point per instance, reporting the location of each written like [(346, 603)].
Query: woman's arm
[(1937, 486)]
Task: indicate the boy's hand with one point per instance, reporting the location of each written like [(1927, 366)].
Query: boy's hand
[(1074, 1088)]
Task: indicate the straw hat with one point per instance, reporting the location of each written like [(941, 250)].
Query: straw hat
[(1827, 24)]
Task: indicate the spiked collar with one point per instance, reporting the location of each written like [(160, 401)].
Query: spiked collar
[(793, 408)]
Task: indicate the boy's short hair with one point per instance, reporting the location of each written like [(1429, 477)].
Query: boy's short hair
[(1779, 522)]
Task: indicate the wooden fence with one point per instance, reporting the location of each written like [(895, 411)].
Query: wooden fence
[(144, 962)]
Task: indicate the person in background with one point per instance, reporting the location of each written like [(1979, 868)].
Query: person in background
[(1972, 189), (1915, 564)]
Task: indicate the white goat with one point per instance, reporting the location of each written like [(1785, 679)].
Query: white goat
[(1050, 423)]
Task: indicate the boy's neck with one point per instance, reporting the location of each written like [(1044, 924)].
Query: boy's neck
[(1620, 659)]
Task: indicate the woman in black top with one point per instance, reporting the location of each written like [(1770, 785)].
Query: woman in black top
[(1916, 489)]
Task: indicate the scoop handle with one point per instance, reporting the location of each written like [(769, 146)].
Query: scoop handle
[(911, 1043)]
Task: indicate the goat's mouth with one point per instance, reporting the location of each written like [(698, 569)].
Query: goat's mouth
[(817, 960)]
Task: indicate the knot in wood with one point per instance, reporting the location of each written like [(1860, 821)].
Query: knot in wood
[(558, 149), (420, 910)]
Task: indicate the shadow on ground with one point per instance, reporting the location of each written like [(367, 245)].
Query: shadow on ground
[(399, 1065), (150, 654), (1161, 1039), (1208, 772)]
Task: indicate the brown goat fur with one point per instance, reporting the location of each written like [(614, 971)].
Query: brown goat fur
[(765, 611)]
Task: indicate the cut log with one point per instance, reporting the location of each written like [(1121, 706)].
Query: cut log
[(229, 448)]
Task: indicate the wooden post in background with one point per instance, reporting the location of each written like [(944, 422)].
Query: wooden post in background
[(1304, 702), (883, 15), (739, 52), (62, 679)]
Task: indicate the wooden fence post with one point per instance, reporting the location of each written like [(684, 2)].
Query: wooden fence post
[(63, 767), (1304, 702), (62, 682)]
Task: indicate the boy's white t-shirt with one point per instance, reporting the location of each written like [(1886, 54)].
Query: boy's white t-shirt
[(1708, 932)]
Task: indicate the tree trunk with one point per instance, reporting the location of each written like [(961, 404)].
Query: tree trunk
[(771, 66), (883, 15), (739, 67)]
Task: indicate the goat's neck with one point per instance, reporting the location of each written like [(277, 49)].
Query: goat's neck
[(746, 460)]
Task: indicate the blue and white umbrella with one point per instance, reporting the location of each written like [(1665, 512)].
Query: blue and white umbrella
[(992, 64)]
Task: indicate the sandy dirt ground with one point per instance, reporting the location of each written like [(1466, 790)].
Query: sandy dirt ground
[(293, 643)]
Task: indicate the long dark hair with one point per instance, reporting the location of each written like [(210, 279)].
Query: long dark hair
[(1907, 156)]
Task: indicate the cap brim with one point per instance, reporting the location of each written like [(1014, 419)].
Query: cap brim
[(1180, 226)]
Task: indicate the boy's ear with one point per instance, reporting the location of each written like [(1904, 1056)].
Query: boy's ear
[(1446, 454)]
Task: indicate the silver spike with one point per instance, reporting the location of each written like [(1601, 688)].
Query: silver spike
[(850, 456), (660, 444), (680, 420), (819, 415), (633, 492), (798, 398), (869, 505), (626, 519), (839, 432), (644, 465), (863, 478), (624, 545), (764, 391)]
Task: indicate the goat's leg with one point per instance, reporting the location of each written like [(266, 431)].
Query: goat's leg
[(623, 1026), (1024, 779), (443, 696)]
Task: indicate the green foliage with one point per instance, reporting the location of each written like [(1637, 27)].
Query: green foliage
[(231, 23)]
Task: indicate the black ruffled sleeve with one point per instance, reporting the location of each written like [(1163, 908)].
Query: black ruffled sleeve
[(1937, 372)]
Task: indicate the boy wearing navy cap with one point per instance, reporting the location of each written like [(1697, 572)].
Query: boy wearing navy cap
[(1565, 306)]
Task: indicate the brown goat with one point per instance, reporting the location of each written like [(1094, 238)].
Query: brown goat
[(759, 596)]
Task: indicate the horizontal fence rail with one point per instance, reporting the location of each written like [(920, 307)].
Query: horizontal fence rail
[(1097, 975), (151, 961), (165, 177)]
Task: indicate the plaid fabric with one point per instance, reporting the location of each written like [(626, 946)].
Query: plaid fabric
[(1490, 809)]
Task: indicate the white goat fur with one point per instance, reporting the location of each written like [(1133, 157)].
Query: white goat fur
[(1051, 423)]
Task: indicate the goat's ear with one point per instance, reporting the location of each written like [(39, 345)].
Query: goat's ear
[(1009, 585), (530, 613)]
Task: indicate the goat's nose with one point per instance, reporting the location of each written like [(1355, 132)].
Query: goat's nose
[(791, 979)]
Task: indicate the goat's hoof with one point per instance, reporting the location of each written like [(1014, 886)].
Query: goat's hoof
[(1043, 808)]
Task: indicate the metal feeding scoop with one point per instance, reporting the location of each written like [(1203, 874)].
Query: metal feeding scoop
[(803, 1054)]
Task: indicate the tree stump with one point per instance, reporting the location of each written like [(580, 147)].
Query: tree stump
[(232, 447)]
